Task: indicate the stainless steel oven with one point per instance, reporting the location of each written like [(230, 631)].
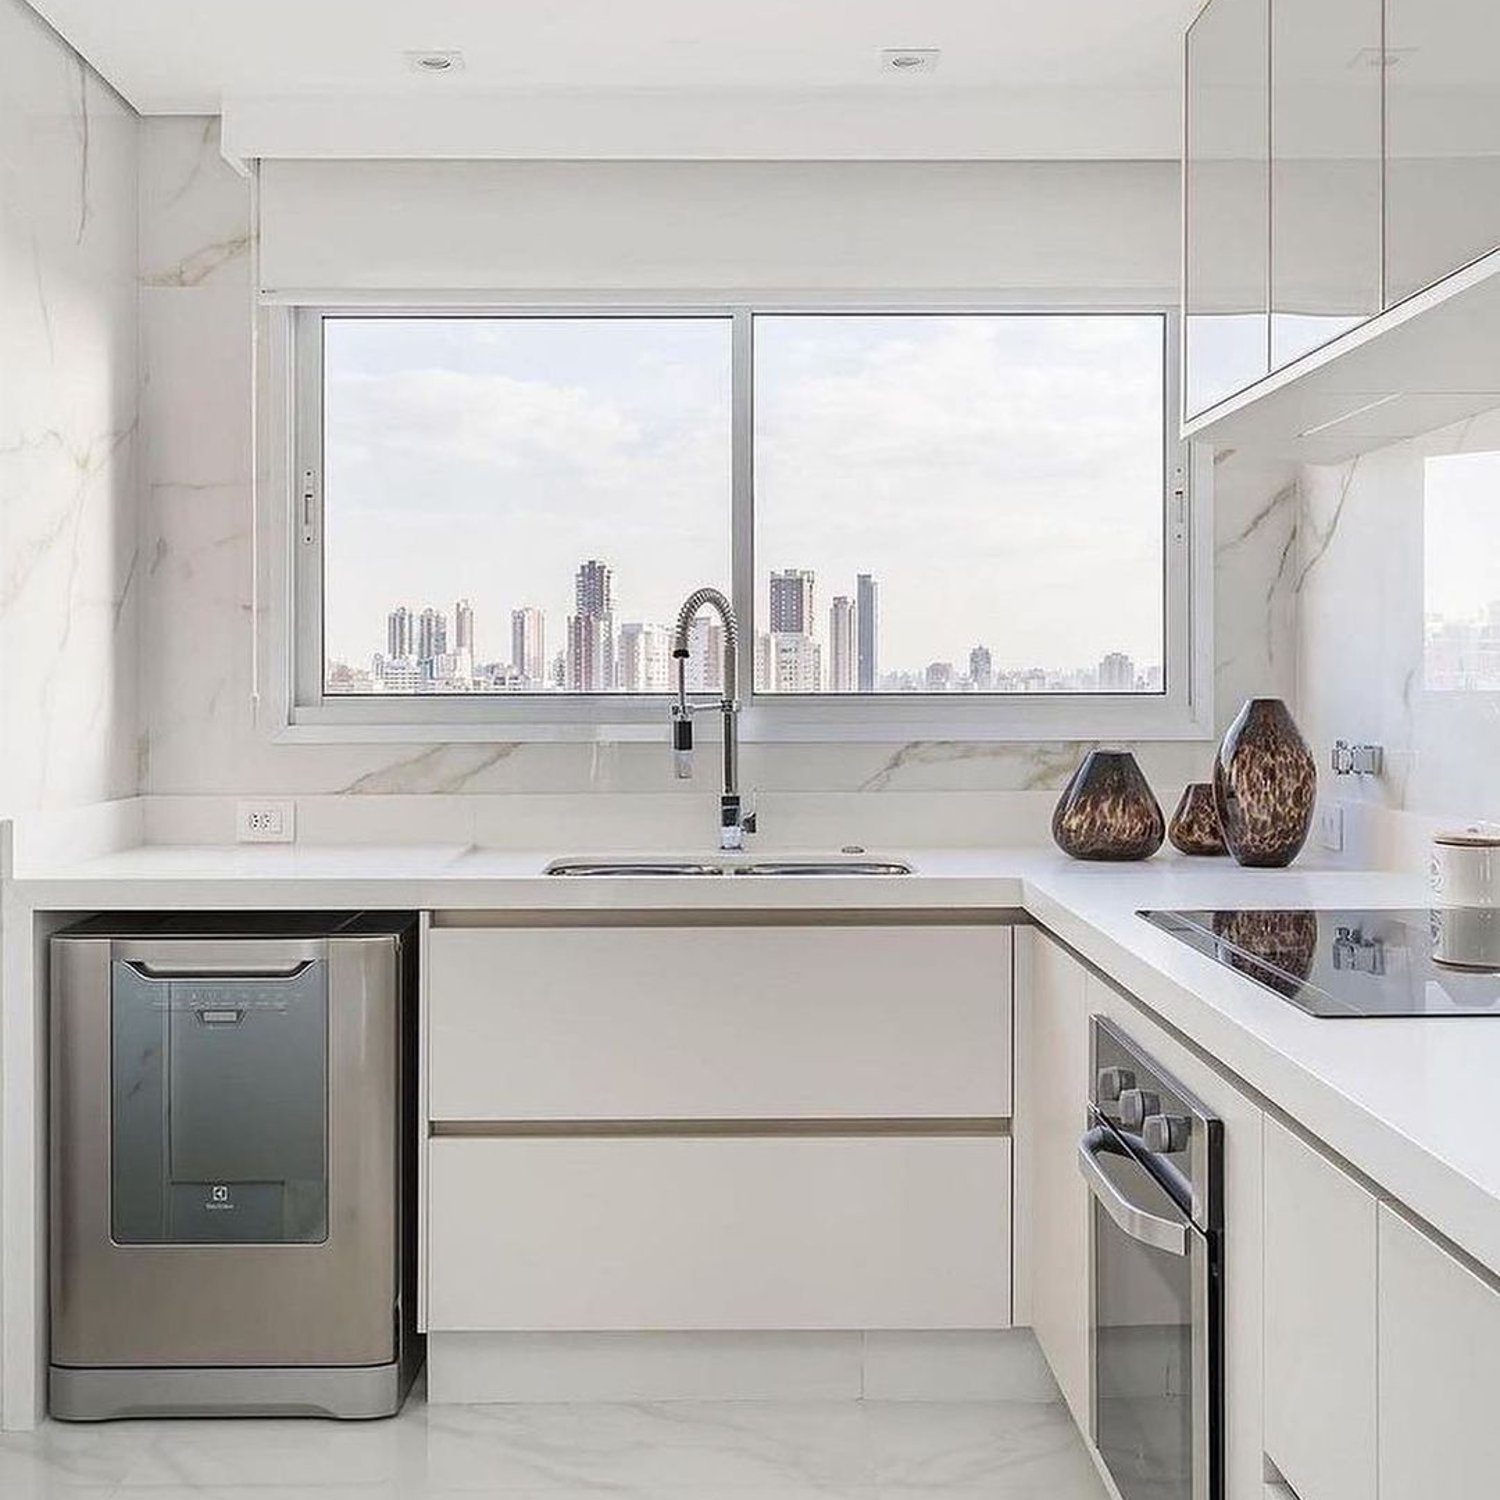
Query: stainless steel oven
[(1153, 1160)]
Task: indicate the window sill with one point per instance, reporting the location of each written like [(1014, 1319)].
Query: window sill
[(790, 722)]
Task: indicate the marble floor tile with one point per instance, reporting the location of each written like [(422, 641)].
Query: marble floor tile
[(1001, 1450), (679, 1450)]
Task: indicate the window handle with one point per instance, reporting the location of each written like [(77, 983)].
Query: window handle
[(309, 506)]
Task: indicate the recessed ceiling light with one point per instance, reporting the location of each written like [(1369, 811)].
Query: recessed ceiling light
[(909, 59), (435, 62)]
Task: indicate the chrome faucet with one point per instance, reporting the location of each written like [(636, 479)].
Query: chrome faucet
[(734, 824)]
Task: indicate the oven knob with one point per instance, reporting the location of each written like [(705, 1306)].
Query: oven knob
[(1113, 1082), (1136, 1105), (1166, 1133)]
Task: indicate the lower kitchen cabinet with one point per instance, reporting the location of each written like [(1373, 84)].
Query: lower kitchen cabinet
[(1439, 1371), (1320, 1322), (766, 1021), (718, 1232), (1052, 1045)]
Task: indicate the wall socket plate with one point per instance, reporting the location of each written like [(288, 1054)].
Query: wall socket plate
[(267, 822)]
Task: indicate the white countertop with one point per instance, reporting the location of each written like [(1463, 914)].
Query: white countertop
[(1406, 1101)]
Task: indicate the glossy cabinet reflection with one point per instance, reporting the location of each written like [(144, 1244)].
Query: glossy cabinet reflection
[(1226, 202), (1340, 157), (1325, 172), (1442, 185)]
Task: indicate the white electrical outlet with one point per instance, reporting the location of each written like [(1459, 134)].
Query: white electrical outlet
[(265, 822), (1331, 826)]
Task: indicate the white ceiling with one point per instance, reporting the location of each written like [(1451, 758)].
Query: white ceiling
[(191, 56)]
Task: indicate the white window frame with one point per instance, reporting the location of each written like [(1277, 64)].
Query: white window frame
[(290, 663)]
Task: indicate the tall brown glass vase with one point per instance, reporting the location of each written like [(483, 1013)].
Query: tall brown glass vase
[(1265, 784)]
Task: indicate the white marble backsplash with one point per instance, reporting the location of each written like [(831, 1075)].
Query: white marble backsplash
[(195, 312), (1360, 610), (70, 575)]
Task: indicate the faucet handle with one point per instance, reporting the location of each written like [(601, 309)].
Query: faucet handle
[(747, 823), (682, 743)]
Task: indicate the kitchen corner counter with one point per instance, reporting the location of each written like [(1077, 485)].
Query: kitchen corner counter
[(1406, 1102)]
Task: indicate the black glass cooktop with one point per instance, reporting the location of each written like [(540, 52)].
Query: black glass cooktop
[(1356, 963)]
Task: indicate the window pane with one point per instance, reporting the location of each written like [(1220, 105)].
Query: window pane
[(1461, 565), (966, 503), (519, 504)]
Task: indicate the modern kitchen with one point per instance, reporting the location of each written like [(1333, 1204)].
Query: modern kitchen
[(747, 752)]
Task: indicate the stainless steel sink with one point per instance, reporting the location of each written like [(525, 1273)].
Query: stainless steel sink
[(825, 867), (650, 867), (632, 867)]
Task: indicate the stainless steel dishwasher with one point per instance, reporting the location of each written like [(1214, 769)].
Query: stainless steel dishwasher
[(233, 1138)]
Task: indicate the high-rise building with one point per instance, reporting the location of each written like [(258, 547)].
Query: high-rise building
[(593, 589), (588, 657), (593, 594), (528, 644), (463, 626), (398, 632), (432, 634), (842, 676), (1116, 673), (705, 663), (981, 669), (643, 653), (792, 602), (788, 661), (867, 631)]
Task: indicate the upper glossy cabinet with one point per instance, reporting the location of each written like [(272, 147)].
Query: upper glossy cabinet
[(1226, 202), (1442, 82), (1325, 171)]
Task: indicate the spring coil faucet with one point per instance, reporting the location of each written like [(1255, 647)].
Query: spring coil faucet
[(734, 824)]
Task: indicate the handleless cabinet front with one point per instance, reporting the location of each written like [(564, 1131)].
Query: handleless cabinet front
[(1226, 201), (1320, 1301), (1439, 1369), (1442, 128), (1325, 172), (711, 1232), (726, 1022)]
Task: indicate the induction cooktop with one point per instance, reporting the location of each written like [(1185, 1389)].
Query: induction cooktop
[(1349, 964)]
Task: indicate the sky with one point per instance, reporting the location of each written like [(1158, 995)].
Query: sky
[(1001, 476)]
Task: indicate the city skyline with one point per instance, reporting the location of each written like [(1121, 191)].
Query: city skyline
[(601, 654), (1000, 475)]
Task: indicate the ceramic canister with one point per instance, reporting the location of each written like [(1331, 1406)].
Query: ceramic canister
[(1465, 866)]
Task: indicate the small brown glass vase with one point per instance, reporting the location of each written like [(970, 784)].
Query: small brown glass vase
[(1265, 784), (1107, 810), (1194, 828)]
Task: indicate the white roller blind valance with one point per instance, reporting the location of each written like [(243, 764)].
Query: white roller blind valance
[(343, 226)]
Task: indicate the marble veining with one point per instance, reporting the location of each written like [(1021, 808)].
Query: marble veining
[(196, 262), (722, 1450), (69, 425)]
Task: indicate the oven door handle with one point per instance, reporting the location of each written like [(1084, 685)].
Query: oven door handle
[(1170, 1235)]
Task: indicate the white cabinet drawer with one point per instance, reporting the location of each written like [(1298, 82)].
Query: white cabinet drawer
[(599, 1023), (703, 1232)]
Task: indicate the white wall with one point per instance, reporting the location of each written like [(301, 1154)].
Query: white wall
[(70, 580), (1107, 226)]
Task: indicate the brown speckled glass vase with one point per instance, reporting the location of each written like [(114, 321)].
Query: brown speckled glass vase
[(1194, 828), (1265, 783), (1107, 810)]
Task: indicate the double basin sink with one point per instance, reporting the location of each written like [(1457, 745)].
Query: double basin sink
[(728, 866)]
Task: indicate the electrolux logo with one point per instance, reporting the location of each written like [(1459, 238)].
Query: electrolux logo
[(218, 1199)]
